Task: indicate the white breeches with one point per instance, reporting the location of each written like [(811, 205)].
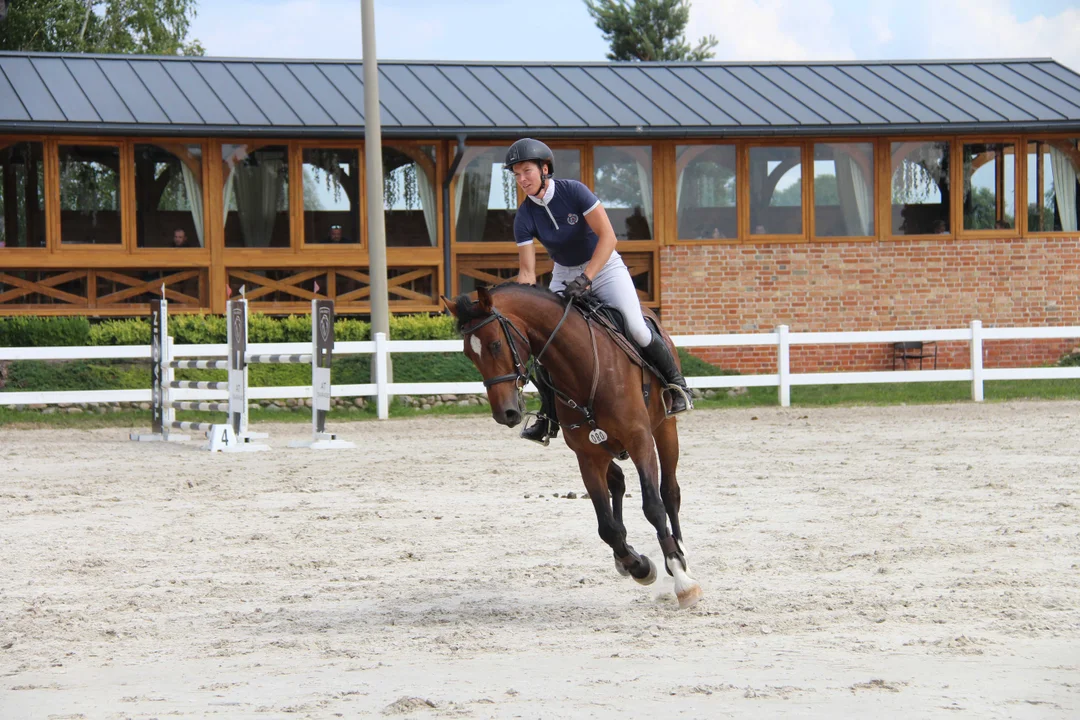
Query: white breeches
[(614, 286)]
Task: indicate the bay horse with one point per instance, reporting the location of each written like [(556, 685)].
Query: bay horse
[(607, 406)]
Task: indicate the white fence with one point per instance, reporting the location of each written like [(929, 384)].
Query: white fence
[(381, 348)]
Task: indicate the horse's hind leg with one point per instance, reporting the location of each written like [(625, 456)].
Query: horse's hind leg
[(667, 447), (598, 476), (654, 506)]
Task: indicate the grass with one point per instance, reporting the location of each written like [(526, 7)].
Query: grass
[(811, 396)]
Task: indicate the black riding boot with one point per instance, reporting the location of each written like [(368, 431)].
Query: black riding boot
[(658, 354), (546, 425)]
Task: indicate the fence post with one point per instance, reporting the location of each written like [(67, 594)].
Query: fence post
[(783, 365), (381, 368), (976, 361)]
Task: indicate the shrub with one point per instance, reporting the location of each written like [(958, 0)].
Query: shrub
[(27, 331), (132, 331)]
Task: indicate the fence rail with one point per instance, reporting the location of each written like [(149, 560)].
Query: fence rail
[(783, 379)]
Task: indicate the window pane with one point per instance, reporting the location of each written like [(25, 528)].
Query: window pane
[(920, 188), (705, 191), (22, 195), (1052, 185), (843, 189), (169, 196), (989, 186), (331, 196), (624, 186), (410, 196), (256, 195), (776, 191), (90, 194), (485, 197), (568, 164)]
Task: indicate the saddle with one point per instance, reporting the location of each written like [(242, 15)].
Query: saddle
[(611, 319)]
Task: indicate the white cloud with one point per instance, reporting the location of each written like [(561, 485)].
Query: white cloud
[(770, 29)]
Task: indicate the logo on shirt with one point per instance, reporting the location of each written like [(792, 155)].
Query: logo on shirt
[(572, 219)]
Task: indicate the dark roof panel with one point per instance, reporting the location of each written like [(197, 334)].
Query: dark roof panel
[(65, 90), (32, 91), (57, 92), (132, 91)]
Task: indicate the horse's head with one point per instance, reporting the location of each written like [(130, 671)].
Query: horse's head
[(498, 349)]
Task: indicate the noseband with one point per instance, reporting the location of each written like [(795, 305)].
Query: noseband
[(521, 372)]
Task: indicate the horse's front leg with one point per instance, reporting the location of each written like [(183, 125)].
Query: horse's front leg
[(642, 452), (597, 474)]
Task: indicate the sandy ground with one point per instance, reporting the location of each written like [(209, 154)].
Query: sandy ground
[(866, 562)]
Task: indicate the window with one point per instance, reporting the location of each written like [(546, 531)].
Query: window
[(920, 188), (843, 189), (624, 185), (1052, 170), (410, 196), (567, 164), (169, 196), (331, 179), (705, 195), (256, 195), (90, 195), (485, 197), (989, 186), (776, 191), (22, 195)]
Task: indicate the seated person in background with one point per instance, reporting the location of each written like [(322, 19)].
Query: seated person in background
[(336, 237), (637, 226), (179, 238), (940, 228), (1002, 225)]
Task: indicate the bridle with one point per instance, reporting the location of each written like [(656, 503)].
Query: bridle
[(521, 370)]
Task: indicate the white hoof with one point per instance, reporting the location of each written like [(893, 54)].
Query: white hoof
[(651, 577), (687, 589), (689, 597)]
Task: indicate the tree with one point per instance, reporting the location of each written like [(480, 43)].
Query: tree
[(648, 30), (155, 27)]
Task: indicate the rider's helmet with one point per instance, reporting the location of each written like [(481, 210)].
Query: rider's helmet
[(527, 149)]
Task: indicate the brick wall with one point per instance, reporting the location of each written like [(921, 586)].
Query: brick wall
[(890, 285)]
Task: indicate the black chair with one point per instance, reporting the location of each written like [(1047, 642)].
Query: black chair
[(914, 350)]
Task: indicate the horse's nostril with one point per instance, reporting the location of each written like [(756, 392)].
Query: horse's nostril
[(513, 417)]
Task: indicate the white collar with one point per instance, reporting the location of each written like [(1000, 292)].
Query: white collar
[(548, 194)]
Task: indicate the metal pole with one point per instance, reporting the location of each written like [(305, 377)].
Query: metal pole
[(380, 302)]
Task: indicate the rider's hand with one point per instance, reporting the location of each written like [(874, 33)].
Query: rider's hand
[(577, 287)]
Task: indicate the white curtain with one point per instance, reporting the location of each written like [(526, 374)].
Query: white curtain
[(471, 193), (856, 194), (643, 159), (1064, 188), (193, 188), (427, 203), (258, 192)]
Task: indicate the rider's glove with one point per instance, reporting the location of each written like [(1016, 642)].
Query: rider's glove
[(577, 287)]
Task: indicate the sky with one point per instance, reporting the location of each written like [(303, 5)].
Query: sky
[(554, 30)]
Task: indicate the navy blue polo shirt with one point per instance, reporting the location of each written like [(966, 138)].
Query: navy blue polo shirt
[(560, 225)]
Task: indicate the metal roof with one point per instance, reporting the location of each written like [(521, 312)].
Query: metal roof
[(125, 94)]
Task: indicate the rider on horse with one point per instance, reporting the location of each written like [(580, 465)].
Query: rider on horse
[(569, 221)]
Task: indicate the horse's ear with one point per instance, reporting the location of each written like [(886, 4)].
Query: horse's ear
[(484, 298), (451, 306)]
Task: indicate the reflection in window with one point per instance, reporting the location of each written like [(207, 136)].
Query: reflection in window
[(567, 164), (843, 189), (920, 188), (624, 186), (331, 195), (1052, 185), (169, 196), (485, 196), (409, 196), (776, 191), (989, 186), (22, 195), (90, 194), (256, 195), (705, 191)]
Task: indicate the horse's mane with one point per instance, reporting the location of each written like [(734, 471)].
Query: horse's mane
[(466, 310)]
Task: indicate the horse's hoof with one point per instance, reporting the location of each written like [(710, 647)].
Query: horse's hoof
[(689, 597), (622, 570), (650, 578)]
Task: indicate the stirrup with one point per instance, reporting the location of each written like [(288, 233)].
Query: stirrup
[(679, 392), (538, 432)]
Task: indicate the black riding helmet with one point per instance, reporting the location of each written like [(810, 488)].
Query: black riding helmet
[(527, 149)]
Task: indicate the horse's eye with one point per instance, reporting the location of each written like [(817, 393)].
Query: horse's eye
[(496, 347)]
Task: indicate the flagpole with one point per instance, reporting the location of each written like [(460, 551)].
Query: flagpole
[(376, 219)]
